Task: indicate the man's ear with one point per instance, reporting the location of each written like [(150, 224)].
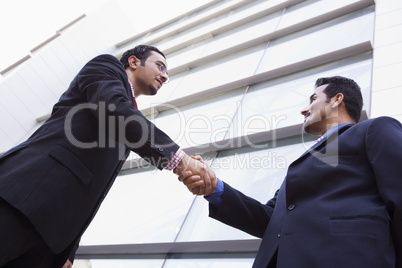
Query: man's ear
[(337, 100), (133, 62)]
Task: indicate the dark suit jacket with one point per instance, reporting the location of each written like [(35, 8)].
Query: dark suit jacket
[(59, 177), (339, 205)]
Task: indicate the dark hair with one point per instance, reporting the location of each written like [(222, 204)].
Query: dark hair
[(142, 52), (350, 89)]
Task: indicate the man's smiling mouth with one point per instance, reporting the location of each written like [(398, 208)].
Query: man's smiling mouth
[(306, 116)]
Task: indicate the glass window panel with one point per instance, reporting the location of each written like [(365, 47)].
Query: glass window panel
[(225, 40), (251, 9), (187, 54), (309, 9), (203, 29), (277, 103), (224, 20), (225, 70), (321, 39), (147, 263), (242, 34), (243, 13), (255, 172), (193, 18), (142, 207), (202, 122), (209, 263)]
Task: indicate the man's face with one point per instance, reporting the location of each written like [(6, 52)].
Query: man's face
[(151, 76), (318, 113)]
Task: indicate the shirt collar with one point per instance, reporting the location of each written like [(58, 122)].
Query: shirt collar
[(332, 130), (132, 88), (132, 91)]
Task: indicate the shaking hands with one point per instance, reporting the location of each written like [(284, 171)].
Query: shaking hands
[(196, 175)]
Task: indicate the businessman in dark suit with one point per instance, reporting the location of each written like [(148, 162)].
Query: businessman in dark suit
[(52, 185), (340, 204)]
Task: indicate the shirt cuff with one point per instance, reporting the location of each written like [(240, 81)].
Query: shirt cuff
[(175, 160), (216, 197)]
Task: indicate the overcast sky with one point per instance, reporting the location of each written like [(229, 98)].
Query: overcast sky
[(24, 24)]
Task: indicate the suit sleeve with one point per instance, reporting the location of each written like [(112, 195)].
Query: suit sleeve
[(242, 212), (104, 82), (384, 150)]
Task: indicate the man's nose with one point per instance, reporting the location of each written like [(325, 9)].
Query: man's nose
[(165, 78), (304, 111)]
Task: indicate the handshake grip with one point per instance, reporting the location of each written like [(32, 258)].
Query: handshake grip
[(196, 175)]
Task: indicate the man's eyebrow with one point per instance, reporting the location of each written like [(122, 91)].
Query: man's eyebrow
[(161, 62), (312, 96)]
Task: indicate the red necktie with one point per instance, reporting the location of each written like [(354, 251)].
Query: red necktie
[(135, 104)]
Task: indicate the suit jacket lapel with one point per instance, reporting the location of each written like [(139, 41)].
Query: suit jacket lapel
[(313, 148)]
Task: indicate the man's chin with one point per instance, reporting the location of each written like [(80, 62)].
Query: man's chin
[(306, 128), (152, 91)]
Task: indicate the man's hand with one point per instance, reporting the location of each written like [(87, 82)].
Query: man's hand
[(196, 175), (194, 183), (68, 264)]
